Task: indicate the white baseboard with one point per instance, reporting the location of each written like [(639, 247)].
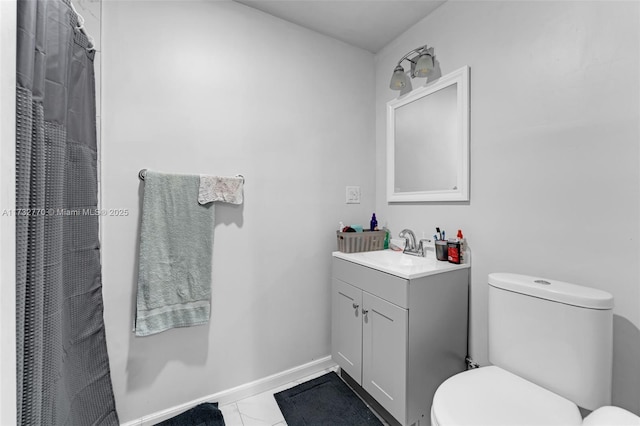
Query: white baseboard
[(240, 392)]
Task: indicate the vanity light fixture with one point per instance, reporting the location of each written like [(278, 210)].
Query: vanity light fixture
[(421, 65)]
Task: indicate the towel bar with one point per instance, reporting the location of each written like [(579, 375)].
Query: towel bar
[(143, 172)]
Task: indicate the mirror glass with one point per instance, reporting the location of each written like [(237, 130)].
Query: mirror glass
[(428, 142)]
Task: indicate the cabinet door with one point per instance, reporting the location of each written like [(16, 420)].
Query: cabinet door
[(346, 328), (384, 353)]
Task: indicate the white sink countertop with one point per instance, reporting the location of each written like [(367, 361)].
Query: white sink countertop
[(399, 264)]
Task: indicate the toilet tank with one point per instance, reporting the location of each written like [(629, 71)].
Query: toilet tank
[(555, 334)]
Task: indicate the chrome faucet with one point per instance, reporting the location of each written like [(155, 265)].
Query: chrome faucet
[(410, 243), (410, 239)]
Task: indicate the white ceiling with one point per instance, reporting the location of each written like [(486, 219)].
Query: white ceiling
[(369, 24)]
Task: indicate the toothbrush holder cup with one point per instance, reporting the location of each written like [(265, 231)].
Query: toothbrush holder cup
[(441, 250)]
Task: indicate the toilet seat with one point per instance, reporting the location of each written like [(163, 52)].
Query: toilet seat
[(493, 396)]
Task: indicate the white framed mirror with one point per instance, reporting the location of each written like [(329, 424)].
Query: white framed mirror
[(428, 142)]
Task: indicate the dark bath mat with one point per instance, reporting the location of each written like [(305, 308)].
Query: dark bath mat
[(325, 400), (206, 414)]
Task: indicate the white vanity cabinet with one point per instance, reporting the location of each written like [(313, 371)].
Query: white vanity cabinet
[(399, 337)]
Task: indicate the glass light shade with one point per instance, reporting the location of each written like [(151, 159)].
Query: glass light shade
[(398, 79), (424, 65)]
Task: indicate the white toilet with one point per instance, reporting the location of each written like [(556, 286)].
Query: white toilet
[(550, 344)]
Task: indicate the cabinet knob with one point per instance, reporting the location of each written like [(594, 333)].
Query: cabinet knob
[(356, 306), (365, 311)]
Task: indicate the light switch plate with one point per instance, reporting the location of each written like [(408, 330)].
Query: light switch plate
[(353, 195)]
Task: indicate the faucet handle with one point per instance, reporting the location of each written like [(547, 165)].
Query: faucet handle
[(422, 248)]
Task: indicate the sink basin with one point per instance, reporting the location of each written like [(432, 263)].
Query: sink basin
[(399, 264), (390, 257)]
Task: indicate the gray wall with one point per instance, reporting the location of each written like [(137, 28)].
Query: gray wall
[(219, 88), (555, 184)]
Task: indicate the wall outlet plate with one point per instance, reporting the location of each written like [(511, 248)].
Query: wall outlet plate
[(353, 195)]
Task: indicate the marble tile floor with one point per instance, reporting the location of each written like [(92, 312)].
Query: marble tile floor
[(262, 409)]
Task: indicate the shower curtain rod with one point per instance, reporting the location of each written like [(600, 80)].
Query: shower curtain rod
[(142, 173)]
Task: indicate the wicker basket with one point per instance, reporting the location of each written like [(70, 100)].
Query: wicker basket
[(356, 242)]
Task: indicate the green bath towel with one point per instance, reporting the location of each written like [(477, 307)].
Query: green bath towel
[(176, 240)]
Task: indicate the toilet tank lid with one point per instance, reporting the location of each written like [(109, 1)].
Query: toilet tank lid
[(557, 291)]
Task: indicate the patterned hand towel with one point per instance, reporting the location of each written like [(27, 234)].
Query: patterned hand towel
[(176, 240), (224, 189)]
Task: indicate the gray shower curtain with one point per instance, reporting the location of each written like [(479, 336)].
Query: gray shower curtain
[(62, 363)]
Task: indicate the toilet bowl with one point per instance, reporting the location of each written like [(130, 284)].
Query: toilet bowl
[(512, 401), (493, 396), (550, 344)]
